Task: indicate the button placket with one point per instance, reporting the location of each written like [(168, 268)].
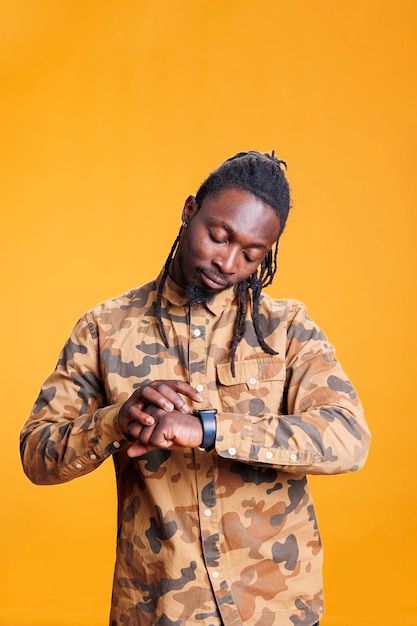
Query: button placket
[(209, 528), (200, 320), (197, 350)]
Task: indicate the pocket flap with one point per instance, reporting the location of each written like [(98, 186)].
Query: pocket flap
[(252, 371)]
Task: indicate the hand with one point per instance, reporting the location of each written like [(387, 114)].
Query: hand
[(163, 394), (171, 430)]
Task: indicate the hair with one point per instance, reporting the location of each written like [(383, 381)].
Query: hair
[(263, 176)]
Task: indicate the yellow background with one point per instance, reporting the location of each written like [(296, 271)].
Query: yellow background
[(111, 113)]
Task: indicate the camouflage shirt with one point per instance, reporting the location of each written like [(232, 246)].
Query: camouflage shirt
[(222, 537)]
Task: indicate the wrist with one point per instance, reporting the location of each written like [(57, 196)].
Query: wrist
[(208, 422)]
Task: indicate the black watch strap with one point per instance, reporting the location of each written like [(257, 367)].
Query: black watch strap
[(208, 422)]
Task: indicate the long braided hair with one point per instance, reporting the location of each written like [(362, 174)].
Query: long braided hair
[(263, 176)]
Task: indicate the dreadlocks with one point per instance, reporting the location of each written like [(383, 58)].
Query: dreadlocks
[(263, 176)]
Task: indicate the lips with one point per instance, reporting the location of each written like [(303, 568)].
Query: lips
[(213, 280)]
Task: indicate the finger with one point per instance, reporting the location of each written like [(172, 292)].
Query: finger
[(145, 435), (137, 449), (187, 390), (171, 389), (138, 413), (160, 395), (165, 397), (134, 429)]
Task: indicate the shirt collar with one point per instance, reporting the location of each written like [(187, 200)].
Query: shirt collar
[(176, 296)]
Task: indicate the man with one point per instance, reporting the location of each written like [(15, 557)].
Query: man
[(215, 402)]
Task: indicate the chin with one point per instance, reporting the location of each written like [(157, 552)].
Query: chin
[(197, 295)]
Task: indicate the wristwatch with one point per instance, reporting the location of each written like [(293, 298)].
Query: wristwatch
[(208, 422)]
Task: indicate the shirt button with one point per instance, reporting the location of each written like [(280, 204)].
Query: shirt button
[(269, 455), (252, 381), (199, 388), (78, 466), (207, 512), (215, 574), (93, 457), (197, 332), (116, 444), (293, 457), (232, 451)]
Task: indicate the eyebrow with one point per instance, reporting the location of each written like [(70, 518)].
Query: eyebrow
[(230, 230)]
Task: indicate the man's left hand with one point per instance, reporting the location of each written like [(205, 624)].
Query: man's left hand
[(171, 431)]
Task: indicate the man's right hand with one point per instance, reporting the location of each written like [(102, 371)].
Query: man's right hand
[(165, 394)]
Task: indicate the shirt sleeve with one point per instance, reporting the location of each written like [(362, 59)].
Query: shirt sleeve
[(319, 427), (70, 431)]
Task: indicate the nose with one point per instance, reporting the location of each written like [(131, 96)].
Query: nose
[(227, 260)]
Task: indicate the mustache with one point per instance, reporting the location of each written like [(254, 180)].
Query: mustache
[(216, 277)]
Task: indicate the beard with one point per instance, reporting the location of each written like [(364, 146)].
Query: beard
[(197, 296)]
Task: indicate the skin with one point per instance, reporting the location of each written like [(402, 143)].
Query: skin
[(225, 240)]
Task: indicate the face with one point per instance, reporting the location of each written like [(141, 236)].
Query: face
[(225, 240)]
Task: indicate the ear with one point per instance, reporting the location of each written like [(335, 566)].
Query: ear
[(190, 208)]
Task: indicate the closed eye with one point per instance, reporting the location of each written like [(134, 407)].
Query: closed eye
[(247, 257), (216, 239), (222, 240)]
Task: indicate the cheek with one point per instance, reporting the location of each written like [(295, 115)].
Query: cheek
[(245, 273), (197, 246), (248, 270)]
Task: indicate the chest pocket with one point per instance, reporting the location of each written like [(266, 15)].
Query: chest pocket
[(257, 388)]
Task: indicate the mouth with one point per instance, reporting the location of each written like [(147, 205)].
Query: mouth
[(213, 281)]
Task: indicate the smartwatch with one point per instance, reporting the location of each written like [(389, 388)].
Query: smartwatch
[(208, 421)]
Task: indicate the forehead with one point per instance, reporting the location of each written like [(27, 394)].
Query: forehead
[(243, 215)]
